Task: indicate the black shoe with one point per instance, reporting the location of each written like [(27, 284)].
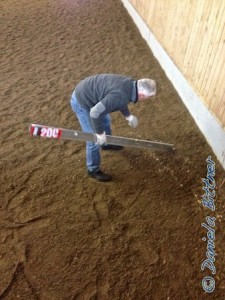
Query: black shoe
[(112, 147), (99, 175)]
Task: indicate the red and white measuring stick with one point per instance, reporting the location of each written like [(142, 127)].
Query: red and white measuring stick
[(48, 132)]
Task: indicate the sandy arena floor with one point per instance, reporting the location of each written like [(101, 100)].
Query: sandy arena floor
[(63, 235)]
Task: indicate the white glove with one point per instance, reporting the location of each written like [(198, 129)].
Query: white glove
[(132, 121), (101, 138)]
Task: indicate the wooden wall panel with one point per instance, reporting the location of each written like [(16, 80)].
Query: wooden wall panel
[(193, 34)]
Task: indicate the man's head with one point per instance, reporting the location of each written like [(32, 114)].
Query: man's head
[(145, 88)]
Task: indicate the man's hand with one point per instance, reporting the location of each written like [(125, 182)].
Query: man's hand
[(132, 121), (101, 138)]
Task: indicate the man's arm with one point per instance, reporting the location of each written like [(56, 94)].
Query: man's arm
[(96, 114), (125, 111), (112, 102)]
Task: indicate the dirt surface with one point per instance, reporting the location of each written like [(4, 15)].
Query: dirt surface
[(63, 235)]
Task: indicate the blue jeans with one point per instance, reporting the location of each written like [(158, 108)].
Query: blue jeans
[(93, 159)]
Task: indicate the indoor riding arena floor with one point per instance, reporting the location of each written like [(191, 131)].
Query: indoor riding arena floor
[(64, 235)]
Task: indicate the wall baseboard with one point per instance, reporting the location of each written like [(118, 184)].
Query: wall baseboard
[(207, 123)]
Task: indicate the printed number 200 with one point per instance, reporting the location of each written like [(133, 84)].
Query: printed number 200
[(49, 132)]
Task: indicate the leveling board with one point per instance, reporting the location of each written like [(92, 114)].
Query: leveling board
[(68, 134)]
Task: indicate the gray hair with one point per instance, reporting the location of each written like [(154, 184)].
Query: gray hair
[(146, 86)]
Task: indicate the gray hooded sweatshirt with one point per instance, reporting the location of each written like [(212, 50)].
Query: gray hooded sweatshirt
[(105, 93)]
